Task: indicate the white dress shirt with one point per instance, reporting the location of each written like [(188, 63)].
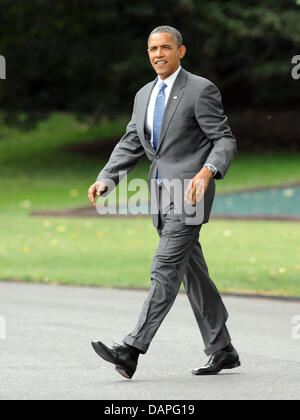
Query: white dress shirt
[(150, 110)]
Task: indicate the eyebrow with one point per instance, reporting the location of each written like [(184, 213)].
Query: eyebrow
[(164, 45)]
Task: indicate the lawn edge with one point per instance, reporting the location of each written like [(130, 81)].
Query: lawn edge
[(223, 292)]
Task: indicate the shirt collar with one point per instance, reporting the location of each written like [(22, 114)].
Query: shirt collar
[(170, 80)]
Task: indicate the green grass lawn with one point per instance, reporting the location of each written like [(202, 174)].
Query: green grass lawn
[(35, 174), (242, 256)]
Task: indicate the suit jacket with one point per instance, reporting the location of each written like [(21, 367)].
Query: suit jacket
[(194, 131)]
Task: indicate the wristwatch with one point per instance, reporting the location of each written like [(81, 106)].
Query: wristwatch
[(211, 168)]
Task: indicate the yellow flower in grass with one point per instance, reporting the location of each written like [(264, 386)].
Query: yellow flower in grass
[(47, 223), (3, 251), (281, 270), (26, 204), (99, 234), (26, 249), (74, 235), (61, 228), (74, 193)]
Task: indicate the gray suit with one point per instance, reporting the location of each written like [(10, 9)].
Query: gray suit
[(194, 131)]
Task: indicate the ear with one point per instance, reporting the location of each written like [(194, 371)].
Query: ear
[(182, 51)]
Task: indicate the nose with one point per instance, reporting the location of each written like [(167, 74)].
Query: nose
[(158, 53)]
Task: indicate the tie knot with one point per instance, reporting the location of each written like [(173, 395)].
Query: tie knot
[(162, 86)]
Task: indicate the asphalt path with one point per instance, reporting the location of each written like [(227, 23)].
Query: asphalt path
[(45, 335)]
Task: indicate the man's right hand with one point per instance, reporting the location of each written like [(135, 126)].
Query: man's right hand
[(96, 190)]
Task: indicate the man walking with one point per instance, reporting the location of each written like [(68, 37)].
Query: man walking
[(178, 121)]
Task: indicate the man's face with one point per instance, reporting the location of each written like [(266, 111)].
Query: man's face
[(164, 54)]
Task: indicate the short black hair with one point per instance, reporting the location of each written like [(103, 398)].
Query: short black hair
[(176, 34)]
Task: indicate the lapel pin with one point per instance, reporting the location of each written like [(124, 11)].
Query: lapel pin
[(175, 97)]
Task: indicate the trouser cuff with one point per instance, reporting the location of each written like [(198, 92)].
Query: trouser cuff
[(134, 343), (216, 347)]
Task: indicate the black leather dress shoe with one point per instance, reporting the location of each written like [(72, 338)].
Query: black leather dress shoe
[(118, 355), (218, 361)]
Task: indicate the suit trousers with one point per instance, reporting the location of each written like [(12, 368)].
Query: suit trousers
[(179, 258)]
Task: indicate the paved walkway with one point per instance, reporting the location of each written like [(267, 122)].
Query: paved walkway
[(47, 352)]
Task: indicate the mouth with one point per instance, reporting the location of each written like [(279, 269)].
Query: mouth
[(160, 63)]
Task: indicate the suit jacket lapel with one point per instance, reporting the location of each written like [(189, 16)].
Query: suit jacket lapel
[(176, 94), (142, 109)]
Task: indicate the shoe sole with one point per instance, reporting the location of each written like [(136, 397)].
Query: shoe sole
[(124, 372), (229, 366), (105, 355)]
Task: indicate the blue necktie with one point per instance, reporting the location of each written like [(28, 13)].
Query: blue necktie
[(158, 116)]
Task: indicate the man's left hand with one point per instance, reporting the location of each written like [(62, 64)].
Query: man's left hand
[(198, 186)]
